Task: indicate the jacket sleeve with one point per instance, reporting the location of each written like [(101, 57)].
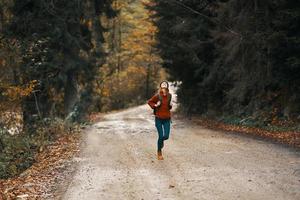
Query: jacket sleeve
[(151, 102)]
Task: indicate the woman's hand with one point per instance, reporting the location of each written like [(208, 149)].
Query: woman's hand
[(157, 104)]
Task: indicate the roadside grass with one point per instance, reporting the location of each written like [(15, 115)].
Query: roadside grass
[(280, 130), (18, 152)]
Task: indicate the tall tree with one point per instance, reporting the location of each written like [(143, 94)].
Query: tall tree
[(132, 68), (234, 57), (60, 47)]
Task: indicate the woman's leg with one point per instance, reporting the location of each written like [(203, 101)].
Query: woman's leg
[(166, 127), (159, 127)]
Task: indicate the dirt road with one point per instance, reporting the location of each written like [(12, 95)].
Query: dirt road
[(118, 161)]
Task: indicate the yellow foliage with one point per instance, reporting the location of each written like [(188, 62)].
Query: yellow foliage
[(89, 24), (132, 56), (17, 92)]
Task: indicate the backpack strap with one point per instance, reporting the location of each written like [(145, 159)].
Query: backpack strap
[(169, 98)]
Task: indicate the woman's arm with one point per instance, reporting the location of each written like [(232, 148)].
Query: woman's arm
[(152, 102)]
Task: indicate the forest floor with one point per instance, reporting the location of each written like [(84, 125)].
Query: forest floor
[(54, 164), (118, 161)]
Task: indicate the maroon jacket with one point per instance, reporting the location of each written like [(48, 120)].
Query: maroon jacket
[(163, 111)]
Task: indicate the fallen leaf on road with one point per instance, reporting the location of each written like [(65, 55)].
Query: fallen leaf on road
[(171, 186)]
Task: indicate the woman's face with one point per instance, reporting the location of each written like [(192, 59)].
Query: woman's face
[(164, 85), (164, 90)]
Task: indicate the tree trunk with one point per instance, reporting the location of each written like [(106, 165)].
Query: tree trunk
[(71, 93)]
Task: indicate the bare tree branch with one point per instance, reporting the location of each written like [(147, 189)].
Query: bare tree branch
[(215, 21)]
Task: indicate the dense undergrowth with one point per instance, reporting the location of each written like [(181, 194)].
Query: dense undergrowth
[(18, 151)]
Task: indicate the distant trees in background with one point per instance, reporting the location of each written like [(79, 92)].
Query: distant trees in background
[(82, 56), (133, 66), (234, 57)]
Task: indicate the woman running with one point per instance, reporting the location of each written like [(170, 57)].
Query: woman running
[(161, 104)]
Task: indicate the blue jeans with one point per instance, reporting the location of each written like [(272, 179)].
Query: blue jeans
[(163, 129)]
